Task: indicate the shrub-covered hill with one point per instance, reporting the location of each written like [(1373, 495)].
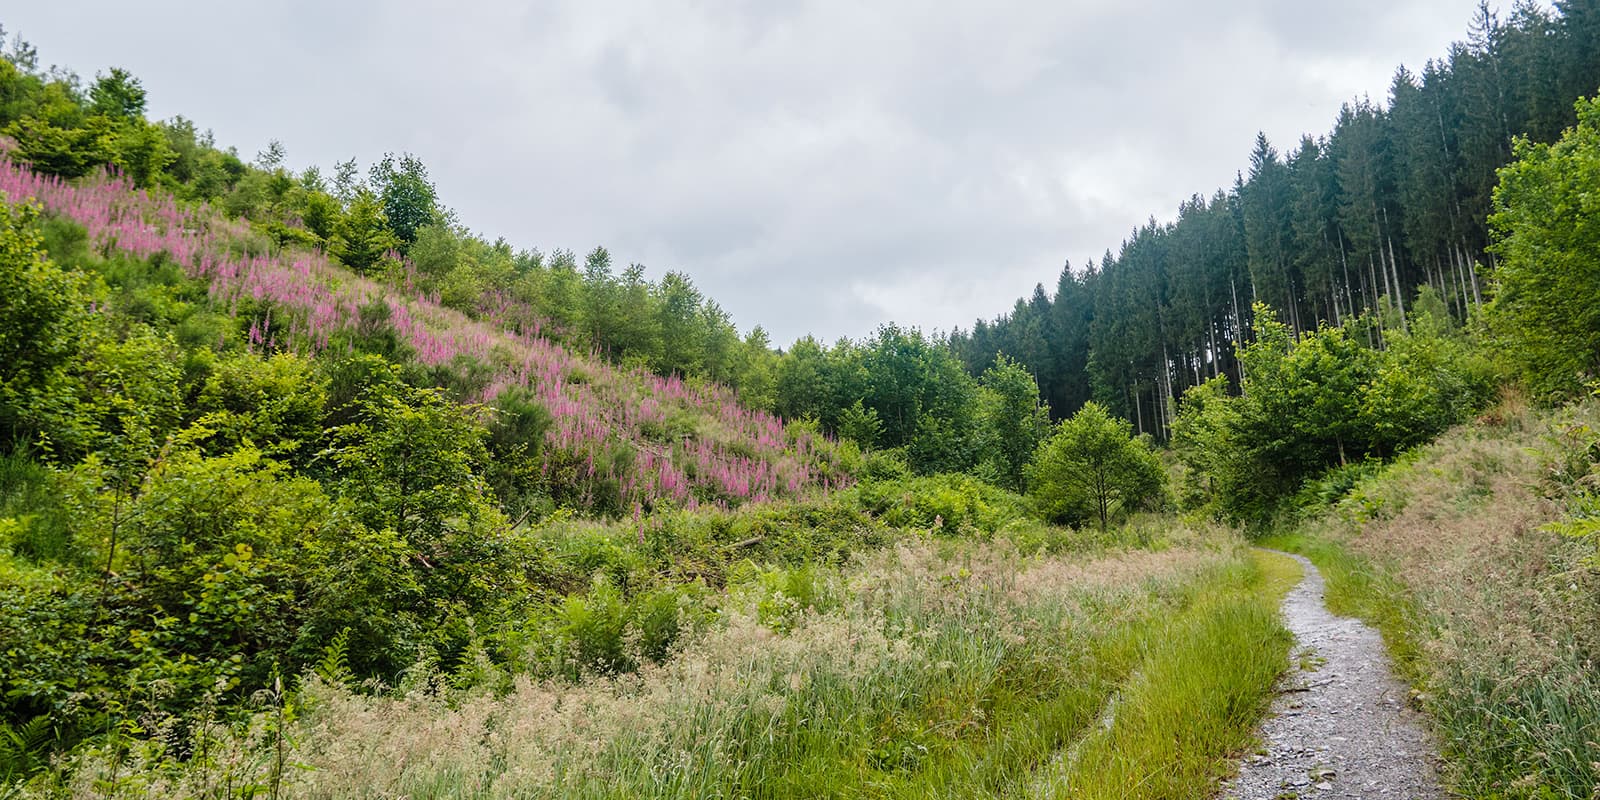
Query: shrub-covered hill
[(611, 440), (222, 459)]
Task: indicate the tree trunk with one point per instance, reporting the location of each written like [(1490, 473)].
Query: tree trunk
[(1138, 408), (1472, 275), (1399, 297)]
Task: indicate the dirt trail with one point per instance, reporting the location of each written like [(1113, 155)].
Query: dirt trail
[(1340, 726)]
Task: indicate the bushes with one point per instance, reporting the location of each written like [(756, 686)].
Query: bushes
[(951, 503), (1324, 400), (1574, 476), (604, 632), (276, 404), (1546, 310), (40, 324)]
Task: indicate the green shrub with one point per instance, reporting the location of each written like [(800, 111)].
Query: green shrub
[(949, 503), (787, 595), (1546, 308)]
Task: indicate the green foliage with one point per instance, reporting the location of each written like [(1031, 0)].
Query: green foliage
[(126, 399), (218, 545), (140, 151), (41, 323), (1425, 384), (885, 465), (1546, 309), (1091, 468), (861, 425), (1321, 401), (25, 749), (412, 463), (788, 595), (276, 404), (117, 94), (199, 170), (603, 632), (409, 200), (35, 525), (362, 237), (1575, 475), (65, 150), (924, 398), (1013, 420), (517, 429), (946, 503)]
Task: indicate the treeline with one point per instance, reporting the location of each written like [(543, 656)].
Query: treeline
[(1316, 410), (1395, 198)]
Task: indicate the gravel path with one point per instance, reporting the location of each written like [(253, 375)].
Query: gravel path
[(1340, 726)]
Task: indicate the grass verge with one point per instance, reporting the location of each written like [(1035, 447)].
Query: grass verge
[(1358, 588)]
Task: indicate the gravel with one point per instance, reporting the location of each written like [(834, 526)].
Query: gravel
[(1340, 726)]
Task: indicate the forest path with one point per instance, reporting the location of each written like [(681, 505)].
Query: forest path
[(1340, 726)]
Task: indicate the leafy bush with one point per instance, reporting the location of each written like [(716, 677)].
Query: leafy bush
[(948, 503), (1575, 473), (787, 595), (1321, 401), (1546, 310)]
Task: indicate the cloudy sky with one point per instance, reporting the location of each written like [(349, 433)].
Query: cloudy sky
[(816, 166)]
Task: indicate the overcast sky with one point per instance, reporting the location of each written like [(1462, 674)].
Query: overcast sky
[(816, 167)]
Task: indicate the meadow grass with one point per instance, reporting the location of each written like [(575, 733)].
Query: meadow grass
[(940, 668), (1493, 618)]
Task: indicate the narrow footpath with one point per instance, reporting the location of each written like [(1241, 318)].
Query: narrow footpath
[(1340, 726)]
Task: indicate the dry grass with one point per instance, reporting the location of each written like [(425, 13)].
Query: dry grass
[(1496, 621)]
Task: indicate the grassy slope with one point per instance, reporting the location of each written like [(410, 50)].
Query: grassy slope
[(1494, 621)]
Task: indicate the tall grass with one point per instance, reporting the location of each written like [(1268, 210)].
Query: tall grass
[(1202, 686), (941, 669), (1494, 619)]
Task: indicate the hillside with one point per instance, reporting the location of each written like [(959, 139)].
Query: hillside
[(629, 439)]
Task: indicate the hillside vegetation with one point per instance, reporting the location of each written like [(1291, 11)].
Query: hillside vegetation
[(933, 667)]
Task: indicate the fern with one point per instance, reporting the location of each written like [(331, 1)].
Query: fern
[(334, 666), (25, 749)]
